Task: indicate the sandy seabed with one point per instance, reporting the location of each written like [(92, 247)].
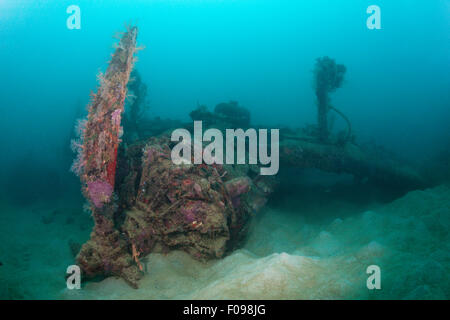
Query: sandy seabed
[(286, 256)]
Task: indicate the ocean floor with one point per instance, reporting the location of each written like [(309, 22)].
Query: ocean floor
[(35, 247), (294, 250)]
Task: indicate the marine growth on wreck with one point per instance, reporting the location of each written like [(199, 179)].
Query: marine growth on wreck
[(144, 201), (237, 150)]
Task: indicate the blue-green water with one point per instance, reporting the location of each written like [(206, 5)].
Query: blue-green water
[(260, 53)]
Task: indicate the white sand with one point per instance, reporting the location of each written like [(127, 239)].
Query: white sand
[(286, 258)]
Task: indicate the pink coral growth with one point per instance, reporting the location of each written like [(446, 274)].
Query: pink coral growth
[(236, 188), (99, 192), (116, 117), (152, 153), (80, 126), (78, 164), (77, 147), (192, 210)]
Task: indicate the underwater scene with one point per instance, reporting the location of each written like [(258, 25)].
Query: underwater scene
[(225, 149)]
